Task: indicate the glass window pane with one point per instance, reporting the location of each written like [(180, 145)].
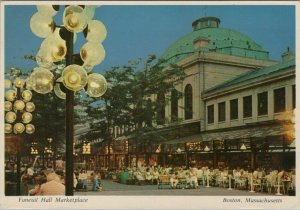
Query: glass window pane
[(247, 105)]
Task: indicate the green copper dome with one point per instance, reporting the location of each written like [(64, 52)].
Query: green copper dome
[(215, 39)]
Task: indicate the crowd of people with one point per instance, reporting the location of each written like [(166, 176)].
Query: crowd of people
[(45, 181), (193, 177), (82, 179)]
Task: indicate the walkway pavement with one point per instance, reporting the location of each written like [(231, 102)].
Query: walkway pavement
[(113, 188)]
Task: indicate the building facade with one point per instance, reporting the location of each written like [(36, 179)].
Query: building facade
[(237, 107)]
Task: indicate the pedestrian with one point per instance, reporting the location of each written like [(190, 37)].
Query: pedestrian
[(75, 182), (83, 179), (38, 180), (96, 178), (52, 186)]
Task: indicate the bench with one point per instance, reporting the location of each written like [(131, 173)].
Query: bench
[(163, 180)]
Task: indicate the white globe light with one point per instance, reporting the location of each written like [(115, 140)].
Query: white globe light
[(92, 54), (58, 92), (28, 84), (42, 25), (74, 19), (29, 107), (19, 105), (19, 128), (10, 117), (8, 128), (74, 77), (44, 59), (8, 106), (42, 80), (10, 95), (19, 83), (26, 117), (46, 10), (53, 48), (96, 31), (97, 85), (30, 129), (27, 95)]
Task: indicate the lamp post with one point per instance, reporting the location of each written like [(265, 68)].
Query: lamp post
[(33, 149), (48, 151), (86, 151), (18, 109), (34, 152), (57, 50)]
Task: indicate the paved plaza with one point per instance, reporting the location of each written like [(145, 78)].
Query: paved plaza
[(114, 188)]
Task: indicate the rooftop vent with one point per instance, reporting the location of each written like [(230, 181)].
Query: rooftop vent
[(288, 55)]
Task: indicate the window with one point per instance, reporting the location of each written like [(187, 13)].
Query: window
[(188, 102), (210, 114), (234, 109), (294, 96), (279, 100), (174, 105), (221, 107), (262, 103), (160, 110), (247, 105)]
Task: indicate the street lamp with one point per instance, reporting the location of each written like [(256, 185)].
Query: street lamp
[(86, 150), (33, 149), (18, 109), (48, 151), (57, 50)]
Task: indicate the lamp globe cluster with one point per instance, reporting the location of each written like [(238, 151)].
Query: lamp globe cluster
[(86, 148), (18, 107), (54, 50)]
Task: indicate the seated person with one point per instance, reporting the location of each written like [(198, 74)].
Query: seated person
[(193, 178), (148, 176), (199, 175), (174, 180), (155, 175), (83, 179), (139, 177)]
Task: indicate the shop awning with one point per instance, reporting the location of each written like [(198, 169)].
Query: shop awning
[(259, 131)]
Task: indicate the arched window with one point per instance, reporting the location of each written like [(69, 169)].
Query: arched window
[(174, 105), (160, 109), (188, 102)]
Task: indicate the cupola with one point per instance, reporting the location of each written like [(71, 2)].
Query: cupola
[(206, 22)]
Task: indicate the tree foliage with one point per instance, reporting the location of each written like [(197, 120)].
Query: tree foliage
[(130, 101)]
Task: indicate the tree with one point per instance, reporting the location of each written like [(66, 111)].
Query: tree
[(128, 102)]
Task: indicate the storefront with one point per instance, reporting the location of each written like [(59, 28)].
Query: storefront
[(114, 156)]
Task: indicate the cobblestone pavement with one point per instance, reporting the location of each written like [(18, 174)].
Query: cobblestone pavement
[(113, 188)]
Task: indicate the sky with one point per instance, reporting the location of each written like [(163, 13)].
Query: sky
[(136, 31)]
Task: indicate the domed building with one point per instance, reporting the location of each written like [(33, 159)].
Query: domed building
[(237, 108), (208, 36)]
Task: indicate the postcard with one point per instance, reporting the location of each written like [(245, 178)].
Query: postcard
[(149, 105)]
